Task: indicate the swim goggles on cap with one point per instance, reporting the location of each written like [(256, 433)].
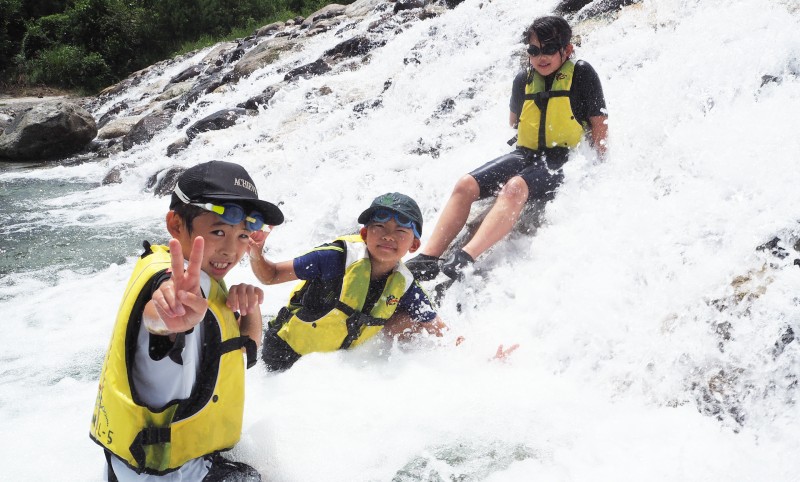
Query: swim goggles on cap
[(234, 214), (228, 212), (547, 49), (384, 215)]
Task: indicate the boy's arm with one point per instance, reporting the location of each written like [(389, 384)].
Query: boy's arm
[(266, 271), (246, 299), (177, 305), (513, 119), (599, 131), (404, 327)]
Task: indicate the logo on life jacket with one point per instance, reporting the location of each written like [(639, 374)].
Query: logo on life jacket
[(392, 300), (561, 76)]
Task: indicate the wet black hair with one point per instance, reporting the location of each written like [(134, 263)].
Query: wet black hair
[(549, 30), (187, 213)]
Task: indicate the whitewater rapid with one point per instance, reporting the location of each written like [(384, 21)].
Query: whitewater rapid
[(646, 317)]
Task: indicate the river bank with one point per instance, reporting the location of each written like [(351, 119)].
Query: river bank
[(16, 97)]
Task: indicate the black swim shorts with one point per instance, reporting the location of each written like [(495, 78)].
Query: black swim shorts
[(541, 172)]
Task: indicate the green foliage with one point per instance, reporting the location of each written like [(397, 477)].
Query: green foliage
[(12, 28), (70, 67), (89, 43)]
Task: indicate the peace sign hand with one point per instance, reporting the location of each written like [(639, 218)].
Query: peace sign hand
[(178, 301)]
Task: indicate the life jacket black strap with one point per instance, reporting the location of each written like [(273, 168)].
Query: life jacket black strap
[(541, 100), (356, 320), (148, 436), (148, 250), (176, 352), (241, 342)]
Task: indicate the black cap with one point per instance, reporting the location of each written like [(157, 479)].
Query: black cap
[(395, 202), (222, 181)]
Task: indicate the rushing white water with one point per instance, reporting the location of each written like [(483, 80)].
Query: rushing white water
[(640, 358)]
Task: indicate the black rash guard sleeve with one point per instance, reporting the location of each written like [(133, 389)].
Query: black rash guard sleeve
[(518, 93), (586, 95)]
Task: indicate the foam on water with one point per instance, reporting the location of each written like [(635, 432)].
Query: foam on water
[(640, 357)]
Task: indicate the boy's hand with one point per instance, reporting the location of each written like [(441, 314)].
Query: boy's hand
[(244, 298), (257, 240), (179, 301), (501, 354)]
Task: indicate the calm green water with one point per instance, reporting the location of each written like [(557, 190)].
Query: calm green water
[(33, 240)]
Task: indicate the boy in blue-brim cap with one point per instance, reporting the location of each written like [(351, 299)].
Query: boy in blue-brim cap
[(352, 288)]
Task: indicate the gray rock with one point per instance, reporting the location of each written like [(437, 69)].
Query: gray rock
[(163, 183), (174, 90), (262, 55), (358, 45), (147, 128), (328, 11), (401, 5), (219, 51), (117, 128), (187, 74), (177, 146), (5, 121), (323, 25), (47, 131), (261, 99), (217, 121), (269, 29), (585, 9), (317, 67), (362, 8), (111, 113), (114, 176)]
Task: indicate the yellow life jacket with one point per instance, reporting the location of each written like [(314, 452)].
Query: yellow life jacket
[(158, 440), (344, 325), (547, 119)]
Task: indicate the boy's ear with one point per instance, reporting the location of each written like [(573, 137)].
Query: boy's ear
[(569, 50), (175, 224), (364, 233), (415, 245)]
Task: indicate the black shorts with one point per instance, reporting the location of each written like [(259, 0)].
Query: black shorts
[(541, 171), (276, 353)]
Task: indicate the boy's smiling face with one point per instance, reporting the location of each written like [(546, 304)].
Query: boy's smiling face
[(548, 64), (225, 244), (388, 242)]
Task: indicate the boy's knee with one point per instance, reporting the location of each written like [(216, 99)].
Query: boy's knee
[(468, 187), (515, 189)]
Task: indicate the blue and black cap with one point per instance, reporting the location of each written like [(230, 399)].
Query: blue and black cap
[(396, 203)]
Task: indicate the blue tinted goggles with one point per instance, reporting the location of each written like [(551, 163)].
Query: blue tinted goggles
[(234, 214), (384, 215)]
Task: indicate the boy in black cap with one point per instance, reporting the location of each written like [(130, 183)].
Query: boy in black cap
[(352, 288), (171, 394)]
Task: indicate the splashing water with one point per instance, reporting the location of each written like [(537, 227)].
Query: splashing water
[(656, 340)]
